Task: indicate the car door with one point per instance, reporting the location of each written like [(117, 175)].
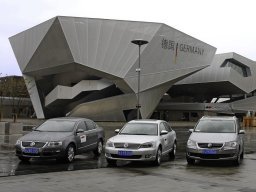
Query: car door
[(164, 138), (171, 135), (81, 137), (92, 134), (240, 136)]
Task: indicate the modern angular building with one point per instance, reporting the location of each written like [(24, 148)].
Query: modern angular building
[(227, 86), (87, 67)]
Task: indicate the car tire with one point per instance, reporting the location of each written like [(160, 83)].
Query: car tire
[(111, 162), (173, 151), (69, 153), (99, 148), (158, 159), (24, 159), (190, 161), (237, 162), (242, 154)]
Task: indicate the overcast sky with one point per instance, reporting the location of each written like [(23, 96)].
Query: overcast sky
[(228, 25)]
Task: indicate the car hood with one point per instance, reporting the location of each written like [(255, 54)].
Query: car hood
[(45, 136), (213, 137), (133, 138)]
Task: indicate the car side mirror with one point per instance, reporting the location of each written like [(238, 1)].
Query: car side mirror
[(117, 130), (79, 131), (241, 132), (34, 128), (163, 132), (191, 130)]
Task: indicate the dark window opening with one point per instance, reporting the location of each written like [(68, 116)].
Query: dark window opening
[(242, 69)]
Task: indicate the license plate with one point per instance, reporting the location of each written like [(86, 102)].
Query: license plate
[(209, 152), (31, 150), (125, 153)]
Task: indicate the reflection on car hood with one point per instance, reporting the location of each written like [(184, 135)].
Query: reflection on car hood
[(133, 138), (45, 136), (213, 137)]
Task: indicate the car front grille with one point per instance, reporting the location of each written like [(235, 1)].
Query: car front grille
[(210, 145), (37, 144), (31, 154), (211, 156), (127, 145), (126, 157)]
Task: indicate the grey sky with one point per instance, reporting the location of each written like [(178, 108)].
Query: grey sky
[(228, 25)]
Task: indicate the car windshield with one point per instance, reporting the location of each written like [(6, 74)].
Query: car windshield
[(56, 126), (139, 129), (216, 126)]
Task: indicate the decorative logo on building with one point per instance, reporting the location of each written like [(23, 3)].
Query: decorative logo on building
[(180, 47)]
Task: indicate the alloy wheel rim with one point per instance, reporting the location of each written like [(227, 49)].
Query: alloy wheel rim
[(159, 156), (71, 153), (174, 148), (100, 147)]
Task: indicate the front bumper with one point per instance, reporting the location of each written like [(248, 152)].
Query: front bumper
[(218, 154), (142, 154), (45, 152)]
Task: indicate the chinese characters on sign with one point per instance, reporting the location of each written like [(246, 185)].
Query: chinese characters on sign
[(168, 44), (171, 45)]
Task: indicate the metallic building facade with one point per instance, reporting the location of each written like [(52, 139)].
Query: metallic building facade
[(230, 76), (87, 67)]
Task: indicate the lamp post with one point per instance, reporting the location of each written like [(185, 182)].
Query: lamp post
[(139, 42)]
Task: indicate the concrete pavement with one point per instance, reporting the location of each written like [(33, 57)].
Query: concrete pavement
[(170, 176)]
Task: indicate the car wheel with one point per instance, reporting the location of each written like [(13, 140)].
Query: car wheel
[(237, 162), (157, 161), (24, 159), (242, 154), (173, 151), (70, 153), (99, 148), (111, 162), (190, 161)]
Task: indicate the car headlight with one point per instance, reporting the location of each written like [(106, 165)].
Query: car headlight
[(191, 144), (231, 144), (146, 145), (109, 144), (18, 142), (54, 143)]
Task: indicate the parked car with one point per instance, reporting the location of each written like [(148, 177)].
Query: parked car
[(216, 138), (142, 140), (61, 138)]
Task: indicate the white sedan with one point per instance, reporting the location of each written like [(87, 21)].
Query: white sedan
[(142, 140)]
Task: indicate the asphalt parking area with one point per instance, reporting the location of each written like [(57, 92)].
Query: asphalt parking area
[(95, 175)]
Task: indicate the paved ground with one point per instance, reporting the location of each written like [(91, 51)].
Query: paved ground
[(90, 174), (170, 176)]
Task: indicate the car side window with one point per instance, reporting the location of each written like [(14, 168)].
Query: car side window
[(90, 125), (238, 126), (81, 125), (162, 127), (167, 126)]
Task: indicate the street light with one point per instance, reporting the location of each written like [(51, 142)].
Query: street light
[(139, 42)]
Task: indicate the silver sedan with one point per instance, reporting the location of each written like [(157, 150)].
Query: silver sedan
[(142, 140), (216, 138)]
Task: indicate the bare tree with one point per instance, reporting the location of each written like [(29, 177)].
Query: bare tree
[(3, 93), (16, 93), (12, 89)]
